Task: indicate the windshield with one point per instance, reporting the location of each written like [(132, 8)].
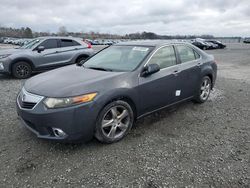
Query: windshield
[(30, 44), (118, 58)]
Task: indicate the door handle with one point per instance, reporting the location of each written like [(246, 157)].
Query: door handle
[(176, 72), (198, 64)]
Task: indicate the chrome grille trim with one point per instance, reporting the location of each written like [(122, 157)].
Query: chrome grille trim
[(28, 101)]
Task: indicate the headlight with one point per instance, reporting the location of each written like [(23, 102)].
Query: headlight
[(70, 101), (4, 56), (1, 66)]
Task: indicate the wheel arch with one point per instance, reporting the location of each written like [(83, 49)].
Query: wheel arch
[(125, 98), (80, 56), (22, 59), (209, 72)]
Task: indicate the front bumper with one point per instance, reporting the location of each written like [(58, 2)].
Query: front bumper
[(5, 68), (78, 122)]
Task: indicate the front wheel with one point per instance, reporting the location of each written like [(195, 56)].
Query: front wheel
[(114, 122), (204, 90), (21, 70)]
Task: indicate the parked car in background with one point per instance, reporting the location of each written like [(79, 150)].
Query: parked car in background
[(108, 42), (104, 95), (202, 45), (1, 40), (246, 40), (93, 42), (211, 45), (220, 44), (42, 54)]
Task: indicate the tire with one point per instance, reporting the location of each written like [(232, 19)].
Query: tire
[(21, 70), (204, 90), (79, 59), (114, 122)]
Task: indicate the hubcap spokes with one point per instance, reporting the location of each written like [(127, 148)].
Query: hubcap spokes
[(115, 122), (22, 70), (205, 89)]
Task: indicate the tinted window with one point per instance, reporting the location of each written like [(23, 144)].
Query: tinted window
[(68, 43), (197, 56), (186, 53), (49, 43), (164, 57), (118, 58)]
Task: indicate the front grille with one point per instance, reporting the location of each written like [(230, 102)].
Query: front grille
[(27, 105), (27, 100)]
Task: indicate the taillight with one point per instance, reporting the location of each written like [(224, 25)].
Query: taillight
[(88, 43)]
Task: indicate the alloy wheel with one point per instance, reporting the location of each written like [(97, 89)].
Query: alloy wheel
[(115, 122), (205, 89), (22, 70)]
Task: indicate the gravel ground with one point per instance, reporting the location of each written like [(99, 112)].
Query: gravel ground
[(188, 146)]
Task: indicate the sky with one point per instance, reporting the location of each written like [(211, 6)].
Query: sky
[(168, 17)]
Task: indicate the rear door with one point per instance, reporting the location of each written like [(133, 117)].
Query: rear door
[(158, 90), (190, 71), (69, 49)]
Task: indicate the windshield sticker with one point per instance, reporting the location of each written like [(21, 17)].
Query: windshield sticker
[(142, 49)]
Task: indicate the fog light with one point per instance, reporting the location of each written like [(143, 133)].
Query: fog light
[(1, 66), (59, 132)]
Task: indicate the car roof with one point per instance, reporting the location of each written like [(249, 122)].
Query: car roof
[(57, 37), (153, 43)]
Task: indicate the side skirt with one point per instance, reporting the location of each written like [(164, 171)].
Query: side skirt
[(167, 106)]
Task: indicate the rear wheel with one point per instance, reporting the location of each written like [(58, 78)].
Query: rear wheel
[(114, 122), (80, 59), (21, 70), (204, 90)]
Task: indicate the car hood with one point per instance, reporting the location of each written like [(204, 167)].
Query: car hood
[(11, 51), (70, 81)]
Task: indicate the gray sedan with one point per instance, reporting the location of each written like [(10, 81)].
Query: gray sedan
[(104, 95), (42, 54)]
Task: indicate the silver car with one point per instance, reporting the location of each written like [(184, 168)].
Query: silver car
[(42, 54)]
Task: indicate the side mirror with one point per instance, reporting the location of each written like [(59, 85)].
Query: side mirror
[(40, 49), (150, 69)]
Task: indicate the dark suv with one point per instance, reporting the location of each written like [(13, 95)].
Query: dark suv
[(106, 94), (43, 54)]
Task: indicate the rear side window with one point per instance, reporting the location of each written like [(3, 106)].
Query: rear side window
[(164, 57), (49, 44), (197, 56), (186, 54), (68, 43)]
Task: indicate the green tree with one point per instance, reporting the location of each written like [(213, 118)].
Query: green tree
[(62, 31), (28, 33)]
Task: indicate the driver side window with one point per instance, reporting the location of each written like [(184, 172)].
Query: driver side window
[(164, 57)]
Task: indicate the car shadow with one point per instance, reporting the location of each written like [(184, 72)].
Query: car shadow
[(10, 77), (5, 77), (141, 126)]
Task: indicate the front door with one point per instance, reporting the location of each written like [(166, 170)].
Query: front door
[(159, 89), (50, 57)]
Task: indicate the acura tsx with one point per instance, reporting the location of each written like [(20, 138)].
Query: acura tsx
[(103, 96)]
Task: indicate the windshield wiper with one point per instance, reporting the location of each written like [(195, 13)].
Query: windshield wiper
[(99, 68)]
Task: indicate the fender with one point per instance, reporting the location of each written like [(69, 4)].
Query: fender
[(129, 95), (21, 59), (87, 53), (208, 70)]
